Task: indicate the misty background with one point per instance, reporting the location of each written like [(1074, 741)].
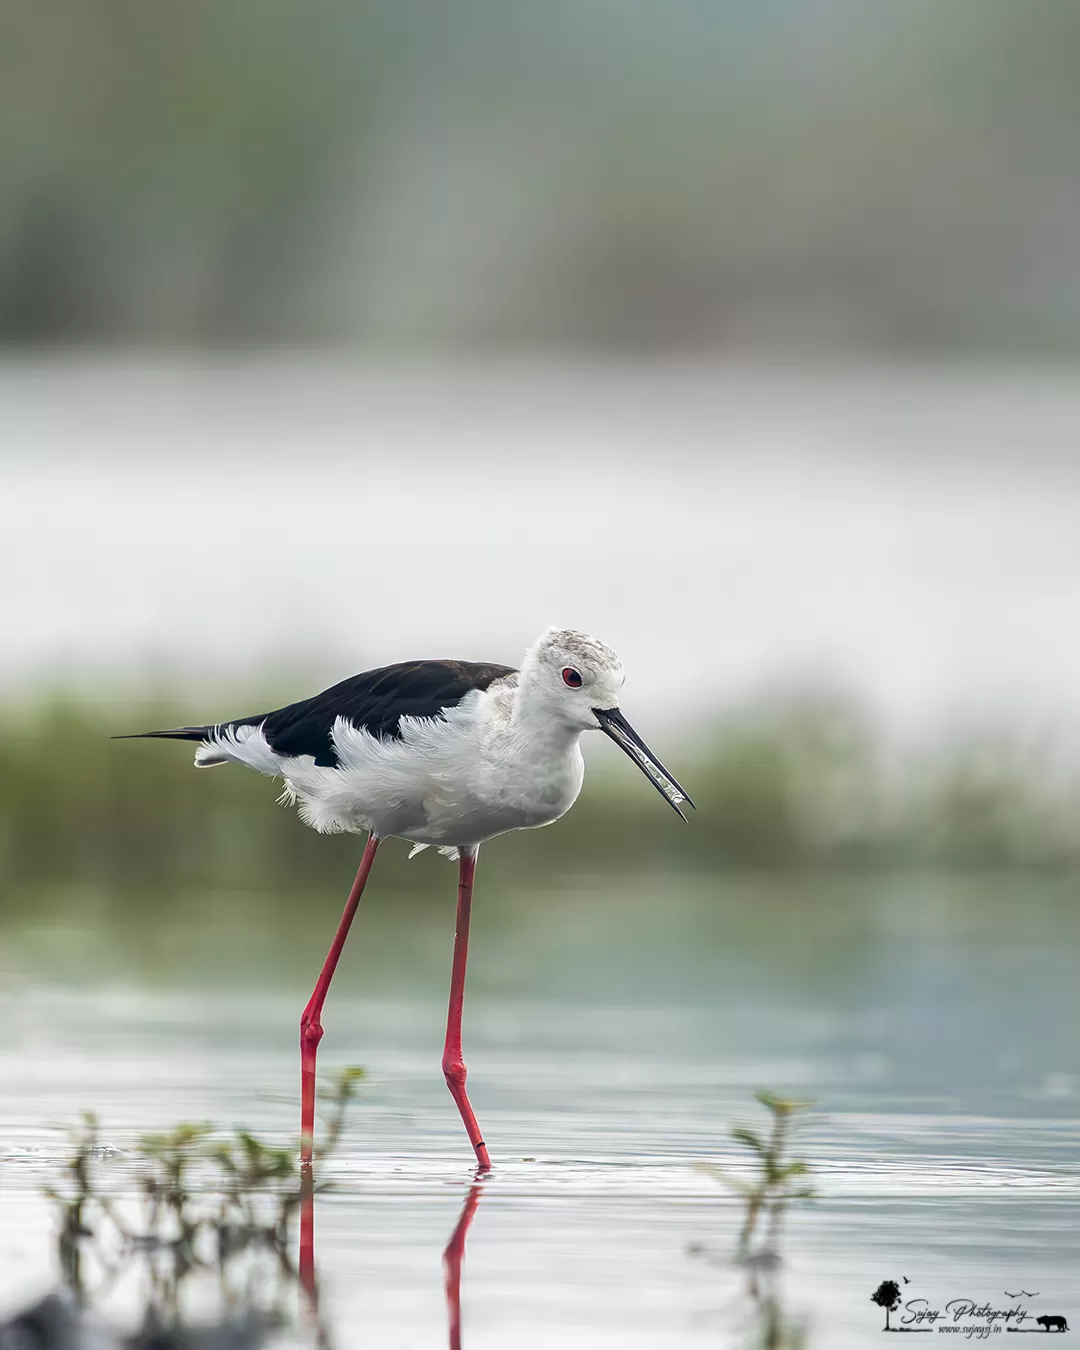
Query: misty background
[(802, 176)]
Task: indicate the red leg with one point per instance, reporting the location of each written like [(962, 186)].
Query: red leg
[(452, 1062), (310, 1020), (452, 1259)]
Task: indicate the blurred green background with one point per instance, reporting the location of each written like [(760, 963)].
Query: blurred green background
[(897, 175)]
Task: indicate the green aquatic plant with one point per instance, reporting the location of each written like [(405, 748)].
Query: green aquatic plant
[(76, 1197), (202, 1197), (779, 1181)]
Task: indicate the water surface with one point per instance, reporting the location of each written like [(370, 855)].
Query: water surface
[(932, 1023)]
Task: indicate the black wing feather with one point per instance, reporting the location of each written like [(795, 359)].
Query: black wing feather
[(376, 700)]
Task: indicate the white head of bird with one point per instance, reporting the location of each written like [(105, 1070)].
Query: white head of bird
[(566, 675), (573, 680)]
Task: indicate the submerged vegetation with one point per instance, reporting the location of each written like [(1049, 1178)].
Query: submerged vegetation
[(776, 1182), (189, 1203), (805, 783), (780, 1179)]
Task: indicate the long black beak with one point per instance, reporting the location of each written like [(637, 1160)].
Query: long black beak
[(615, 725)]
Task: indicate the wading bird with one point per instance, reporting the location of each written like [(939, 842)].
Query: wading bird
[(440, 753)]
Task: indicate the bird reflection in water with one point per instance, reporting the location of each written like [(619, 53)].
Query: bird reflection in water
[(305, 1269), (453, 1258)]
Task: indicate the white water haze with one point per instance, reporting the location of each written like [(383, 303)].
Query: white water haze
[(911, 537)]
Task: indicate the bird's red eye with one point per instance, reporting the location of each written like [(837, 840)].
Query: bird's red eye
[(571, 677)]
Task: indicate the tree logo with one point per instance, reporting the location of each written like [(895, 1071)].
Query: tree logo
[(887, 1296)]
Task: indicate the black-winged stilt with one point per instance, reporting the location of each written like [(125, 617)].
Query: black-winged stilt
[(443, 753)]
